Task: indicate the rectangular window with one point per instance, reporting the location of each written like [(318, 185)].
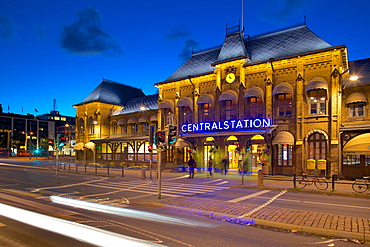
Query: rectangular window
[(284, 104), (207, 112), (255, 107), (317, 99), (351, 160), (285, 155), (356, 109), (230, 109)]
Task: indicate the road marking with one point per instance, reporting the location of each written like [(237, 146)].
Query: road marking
[(249, 196)]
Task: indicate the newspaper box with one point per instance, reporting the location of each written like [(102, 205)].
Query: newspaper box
[(321, 164)]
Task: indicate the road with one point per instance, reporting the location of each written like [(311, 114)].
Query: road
[(31, 188)]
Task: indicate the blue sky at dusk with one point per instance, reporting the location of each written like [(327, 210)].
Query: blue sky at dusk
[(62, 49)]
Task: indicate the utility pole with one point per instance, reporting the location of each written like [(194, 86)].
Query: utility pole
[(57, 157), (159, 152)]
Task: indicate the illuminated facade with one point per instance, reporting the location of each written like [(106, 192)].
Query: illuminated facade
[(272, 101), (113, 125)]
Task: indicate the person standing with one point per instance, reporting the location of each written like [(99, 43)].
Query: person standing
[(225, 162), (210, 166), (192, 164)]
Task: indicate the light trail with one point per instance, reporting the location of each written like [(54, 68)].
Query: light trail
[(88, 234), (131, 213)]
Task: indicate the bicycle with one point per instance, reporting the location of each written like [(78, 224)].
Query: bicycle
[(320, 183), (361, 185)]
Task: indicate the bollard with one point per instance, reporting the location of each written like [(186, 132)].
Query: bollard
[(294, 180), (333, 179), (260, 178), (123, 172), (143, 175)]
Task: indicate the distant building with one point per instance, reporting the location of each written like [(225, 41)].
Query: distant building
[(64, 129), (25, 135)]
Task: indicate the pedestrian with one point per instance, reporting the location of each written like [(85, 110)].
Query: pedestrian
[(192, 164), (225, 162), (210, 165)]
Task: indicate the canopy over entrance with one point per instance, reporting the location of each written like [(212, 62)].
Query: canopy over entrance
[(359, 145)]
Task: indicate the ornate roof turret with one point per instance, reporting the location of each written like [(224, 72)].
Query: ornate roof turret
[(233, 46)]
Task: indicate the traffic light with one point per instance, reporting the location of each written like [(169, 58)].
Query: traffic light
[(161, 137), (61, 141), (150, 148), (249, 145), (172, 134)]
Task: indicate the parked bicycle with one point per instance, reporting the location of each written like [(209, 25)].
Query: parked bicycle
[(361, 185), (320, 183)]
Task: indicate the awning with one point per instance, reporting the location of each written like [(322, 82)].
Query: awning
[(167, 104), (256, 92), (186, 102), (144, 119), (359, 145), (229, 95), (122, 121), (153, 118), (283, 88), (132, 120), (90, 145), (356, 97), (79, 146), (283, 137), (206, 99), (182, 143), (317, 83)]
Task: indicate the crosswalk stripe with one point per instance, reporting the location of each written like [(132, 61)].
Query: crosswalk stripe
[(249, 196)]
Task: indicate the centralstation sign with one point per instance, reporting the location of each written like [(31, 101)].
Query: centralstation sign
[(227, 125)]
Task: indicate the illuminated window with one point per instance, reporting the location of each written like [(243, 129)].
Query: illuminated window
[(145, 127), (134, 128), (285, 155), (82, 126), (356, 109), (63, 119), (187, 114), (317, 146), (206, 112), (91, 125), (169, 116), (114, 128), (317, 99)]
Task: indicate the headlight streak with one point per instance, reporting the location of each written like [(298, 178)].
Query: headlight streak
[(69, 185), (88, 234), (131, 213)]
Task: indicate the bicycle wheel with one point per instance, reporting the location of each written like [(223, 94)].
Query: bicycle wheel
[(300, 183), (321, 184), (359, 186)]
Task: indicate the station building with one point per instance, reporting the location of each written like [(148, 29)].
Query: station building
[(271, 100)]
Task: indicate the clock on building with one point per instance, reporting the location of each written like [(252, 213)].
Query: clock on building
[(230, 77)]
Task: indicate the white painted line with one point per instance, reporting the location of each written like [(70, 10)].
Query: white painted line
[(249, 196)]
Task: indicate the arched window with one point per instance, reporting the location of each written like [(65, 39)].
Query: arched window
[(91, 126), (283, 96), (114, 127), (169, 116), (317, 146), (356, 103), (82, 126)]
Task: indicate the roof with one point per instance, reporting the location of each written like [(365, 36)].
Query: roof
[(149, 102), (361, 69), (278, 44), (114, 93)]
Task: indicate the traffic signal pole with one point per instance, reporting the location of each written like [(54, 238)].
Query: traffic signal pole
[(159, 152)]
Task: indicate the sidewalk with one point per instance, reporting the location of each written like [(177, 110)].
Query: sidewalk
[(242, 213)]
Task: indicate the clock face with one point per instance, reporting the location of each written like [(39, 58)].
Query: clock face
[(230, 77)]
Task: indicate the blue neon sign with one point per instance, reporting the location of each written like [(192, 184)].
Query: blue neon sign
[(227, 125)]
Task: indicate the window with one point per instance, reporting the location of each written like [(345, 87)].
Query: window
[(284, 104), (187, 114), (352, 160), (356, 109), (317, 99), (82, 126), (134, 128), (229, 107), (206, 112), (145, 127), (91, 125), (254, 107), (285, 154), (169, 116), (114, 128), (124, 128), (317, 146)]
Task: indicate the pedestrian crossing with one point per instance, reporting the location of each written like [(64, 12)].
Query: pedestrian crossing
[(167, 188)]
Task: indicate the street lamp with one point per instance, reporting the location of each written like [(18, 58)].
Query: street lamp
[(28, 135)]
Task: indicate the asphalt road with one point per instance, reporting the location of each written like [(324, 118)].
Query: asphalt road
[(30, 188)]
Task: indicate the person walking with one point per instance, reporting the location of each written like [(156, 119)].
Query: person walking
[(210, 166), (192, 164), (225, 162)]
